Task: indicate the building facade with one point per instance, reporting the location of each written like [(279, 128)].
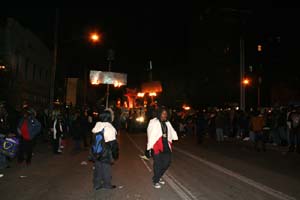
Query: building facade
[(26, 64)]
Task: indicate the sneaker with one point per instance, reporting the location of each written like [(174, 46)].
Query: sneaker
[(110, 187), (162, 182), (156, 185), (59, 151)]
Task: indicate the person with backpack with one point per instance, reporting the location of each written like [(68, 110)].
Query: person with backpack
[(28, 128), (294, 119), (160, 134), (104, 151)]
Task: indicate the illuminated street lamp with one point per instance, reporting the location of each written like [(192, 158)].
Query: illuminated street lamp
[(246, 82), (95, 37), (2, 67), (259, 48)]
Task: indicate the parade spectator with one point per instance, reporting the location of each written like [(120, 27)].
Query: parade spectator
[(294, 119), (58, 133), (4, 123), (219, 124), (201, 126), (212, 125), (28, 128), (160, 136), (243, 125), (257, 126), (76, 131), (109, 151)]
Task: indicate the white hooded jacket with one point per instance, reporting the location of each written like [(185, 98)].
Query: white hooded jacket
[(110, 132), (154, 133)]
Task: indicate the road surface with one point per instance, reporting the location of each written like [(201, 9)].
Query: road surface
[(210, 171)]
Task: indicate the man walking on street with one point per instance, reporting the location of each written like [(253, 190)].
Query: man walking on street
[(160, 136)]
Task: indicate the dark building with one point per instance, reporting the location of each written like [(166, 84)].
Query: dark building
[(26, 63)]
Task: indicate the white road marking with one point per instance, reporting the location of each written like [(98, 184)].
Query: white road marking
[(182, 191), (257, 185), (168, 175), (147, 166)]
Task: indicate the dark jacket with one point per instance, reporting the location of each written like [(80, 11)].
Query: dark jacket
[(34, 126)]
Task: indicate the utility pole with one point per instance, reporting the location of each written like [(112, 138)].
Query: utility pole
[(150, 71), (85, 86), (259, 92), (110, 58), (242, 74), (53, 70)]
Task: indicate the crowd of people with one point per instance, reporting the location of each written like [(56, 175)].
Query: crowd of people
[(22, 129), (278, 126), (96, 131)]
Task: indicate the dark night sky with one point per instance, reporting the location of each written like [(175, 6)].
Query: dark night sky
[(176, 39)]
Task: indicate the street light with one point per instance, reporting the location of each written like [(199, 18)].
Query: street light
[(95, 37), (2, 67), (246, 82), (259, 48)]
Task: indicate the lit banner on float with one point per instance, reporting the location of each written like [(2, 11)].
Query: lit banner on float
[(112, 78)]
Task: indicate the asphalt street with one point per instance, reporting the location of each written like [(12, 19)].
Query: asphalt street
[(213, 171)]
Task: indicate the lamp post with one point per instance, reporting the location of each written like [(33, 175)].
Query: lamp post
[(242, 74), (110, 58)]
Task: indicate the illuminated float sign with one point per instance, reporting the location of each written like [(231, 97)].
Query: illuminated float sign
[(111, 78), (152, 87)]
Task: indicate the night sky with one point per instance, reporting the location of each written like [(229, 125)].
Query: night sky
[(177, 40)]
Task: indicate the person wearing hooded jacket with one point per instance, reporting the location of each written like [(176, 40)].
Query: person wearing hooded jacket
[(103, 172), (160, 134)]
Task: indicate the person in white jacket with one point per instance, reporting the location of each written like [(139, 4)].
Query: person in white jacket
[(102, 173), (160, 134)]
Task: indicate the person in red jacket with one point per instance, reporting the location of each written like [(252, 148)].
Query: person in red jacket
[(28, 128), (160, 136)]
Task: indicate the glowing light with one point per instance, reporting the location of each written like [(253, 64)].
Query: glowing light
[(95, 37), (2, 67), (152, 94), (246, 81), (185, 107), (140, 119), (117, 84), (237, 108), (95, 81), (259, 48), (141, 94)]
